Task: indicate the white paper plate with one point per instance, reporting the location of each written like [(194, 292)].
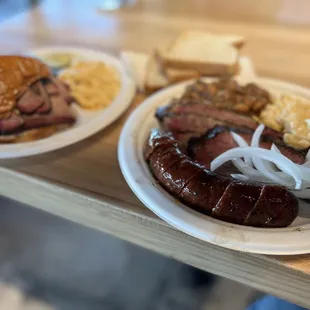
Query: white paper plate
[(88, 122), (291, 240)]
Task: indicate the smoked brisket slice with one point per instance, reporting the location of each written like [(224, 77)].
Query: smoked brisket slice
[(205, 110), (203, 129), (219, 139), (11, 124), (44, 103)]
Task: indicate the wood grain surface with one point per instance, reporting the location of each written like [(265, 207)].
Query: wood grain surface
[(83, 182)]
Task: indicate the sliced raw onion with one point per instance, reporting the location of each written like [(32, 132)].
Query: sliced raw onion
[(304, 193), (269, 172), (280, 160), (248, 171), (240, 177), (305, 172), (265, 167), (241, 142), (256, 136), (275, 148)]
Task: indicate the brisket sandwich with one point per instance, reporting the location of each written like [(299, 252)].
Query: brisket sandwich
[(33, 103)]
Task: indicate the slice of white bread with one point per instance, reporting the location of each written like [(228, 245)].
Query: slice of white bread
[(147, 71), (178, 75), (236, 41), (155, 76), (136, 65), (247, 69), (207, 53)]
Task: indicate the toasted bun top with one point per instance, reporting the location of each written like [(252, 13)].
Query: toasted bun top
[(16, 74)]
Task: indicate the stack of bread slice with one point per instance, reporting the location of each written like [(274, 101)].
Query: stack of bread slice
[(191, 55)]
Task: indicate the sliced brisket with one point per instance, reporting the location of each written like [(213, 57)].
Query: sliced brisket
[(60, 114), (44, 103), (195, 119), (219, 139), (46, 107), (29, 102), (51, 89), (190, 123), (11, 124), (205, 110)]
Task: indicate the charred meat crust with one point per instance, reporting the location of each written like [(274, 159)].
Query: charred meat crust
[(270, 208), (218, 140), (224, 94), (237, 202), (204, 191), (198, 118)]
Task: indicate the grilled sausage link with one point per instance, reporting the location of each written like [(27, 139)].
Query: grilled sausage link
[(244, 203)]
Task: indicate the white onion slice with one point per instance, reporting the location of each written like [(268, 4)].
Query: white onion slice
[(283, 174), (280, 160), (306, 164), (269, 172), (304, 193), (240, 177), (256, 136), (250, 172), (275, 148), (305, 172), (265, 167), (241, 142)]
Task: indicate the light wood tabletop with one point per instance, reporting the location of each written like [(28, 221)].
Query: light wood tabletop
[(83, 182)]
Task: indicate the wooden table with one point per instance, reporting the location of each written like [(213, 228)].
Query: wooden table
[(83, 183)]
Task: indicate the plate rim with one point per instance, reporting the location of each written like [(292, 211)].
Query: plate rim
[(230, 234), (76, 134)]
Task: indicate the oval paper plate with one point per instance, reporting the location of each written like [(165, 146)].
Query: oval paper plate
[(291, 240), (88, 122)]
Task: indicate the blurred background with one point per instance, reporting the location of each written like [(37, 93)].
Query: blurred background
[(70, 267), (50, 263)]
